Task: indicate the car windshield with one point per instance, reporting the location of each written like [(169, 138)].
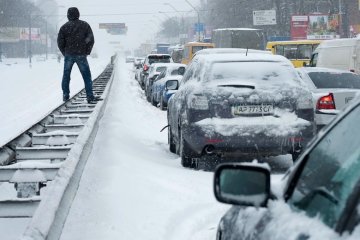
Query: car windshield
[(331, 172), (272, 72), (335, 80), (159, 59)]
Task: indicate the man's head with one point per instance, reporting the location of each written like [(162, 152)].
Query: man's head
[(73, 13)]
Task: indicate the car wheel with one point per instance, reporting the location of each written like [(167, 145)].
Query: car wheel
[(295, 155), (162, 104), (185, 153), (147, 95), (172, 146), (153, 102)]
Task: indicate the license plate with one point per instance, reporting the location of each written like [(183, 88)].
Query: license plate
[(253, 109)]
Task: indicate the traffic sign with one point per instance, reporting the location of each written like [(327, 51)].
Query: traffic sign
[(264, 17)]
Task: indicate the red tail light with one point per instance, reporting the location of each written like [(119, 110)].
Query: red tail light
[(326, 102), (146, 67)]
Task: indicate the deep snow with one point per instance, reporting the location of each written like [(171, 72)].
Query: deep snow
[(27, 94)]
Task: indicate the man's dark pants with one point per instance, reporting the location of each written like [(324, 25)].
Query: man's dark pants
[(84, 68)]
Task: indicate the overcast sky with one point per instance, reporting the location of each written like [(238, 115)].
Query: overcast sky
[(141, 16)]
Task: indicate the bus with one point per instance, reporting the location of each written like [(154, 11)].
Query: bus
[(191, 48), (298, 52)]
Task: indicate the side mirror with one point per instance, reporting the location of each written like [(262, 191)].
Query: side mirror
[(172, 85), (181, 70), (244, 185)]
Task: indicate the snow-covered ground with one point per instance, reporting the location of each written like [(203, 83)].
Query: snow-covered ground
[(27, 94), (132, 186)]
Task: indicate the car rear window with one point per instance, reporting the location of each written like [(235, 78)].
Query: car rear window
[(159, 59), (271, 72), (335, 80), (160, 69)]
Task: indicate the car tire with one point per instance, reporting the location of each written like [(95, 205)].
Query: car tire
[(147, 95), (172, 146), (162, 104), (185, 152), (295, 155), (153, 102)]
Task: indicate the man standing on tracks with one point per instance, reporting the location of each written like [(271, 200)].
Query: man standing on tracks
[(75, 41)]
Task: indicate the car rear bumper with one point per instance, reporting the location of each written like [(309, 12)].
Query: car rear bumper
[(209, 140), (323, 118)]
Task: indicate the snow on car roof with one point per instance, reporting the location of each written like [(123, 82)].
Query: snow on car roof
[(322, 69), (235, 29), (253, 57), (157, 55), (230, 50)]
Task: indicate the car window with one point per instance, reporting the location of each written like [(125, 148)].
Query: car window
[(160, 69), (159, 59), (189, 72), (331, 172), (198, 48), (174, 72), (335, 80), (313, 61), (290, 51), (304, 51)]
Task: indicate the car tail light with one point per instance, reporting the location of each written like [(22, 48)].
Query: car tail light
[(199, 102), (326, 102), (146, 67)]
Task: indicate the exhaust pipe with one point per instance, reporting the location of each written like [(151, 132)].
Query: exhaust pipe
[(209, 149)]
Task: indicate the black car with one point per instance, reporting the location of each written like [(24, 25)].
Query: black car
[(150, 59), (235, 105), (319, 197)]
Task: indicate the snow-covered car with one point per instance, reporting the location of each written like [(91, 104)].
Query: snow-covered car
[(163, 89), (174, 69), (234, 105), (154, 71), (317, 199), (149, 60), (138, 68), (332, 90)]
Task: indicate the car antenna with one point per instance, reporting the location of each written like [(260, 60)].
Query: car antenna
[(247, 49)]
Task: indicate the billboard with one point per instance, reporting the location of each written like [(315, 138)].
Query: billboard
[(264, 17), (114, 28), (314, 27), (323, 26), (9, 35), (35, 34), (111, 25)]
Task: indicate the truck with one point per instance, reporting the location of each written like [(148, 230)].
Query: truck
[(162, 48), (239, 38), (343, 54)]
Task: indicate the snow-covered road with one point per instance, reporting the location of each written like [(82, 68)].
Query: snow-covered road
[(132, 186)]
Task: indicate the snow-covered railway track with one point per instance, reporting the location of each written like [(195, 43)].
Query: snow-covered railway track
[(45, 163)]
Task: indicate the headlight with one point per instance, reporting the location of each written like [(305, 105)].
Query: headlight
[(198, 102)]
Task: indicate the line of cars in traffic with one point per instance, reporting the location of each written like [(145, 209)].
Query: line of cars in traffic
[(249, 103)]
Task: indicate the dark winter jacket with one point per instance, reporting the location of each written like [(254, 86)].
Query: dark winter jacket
[(75, 37)]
